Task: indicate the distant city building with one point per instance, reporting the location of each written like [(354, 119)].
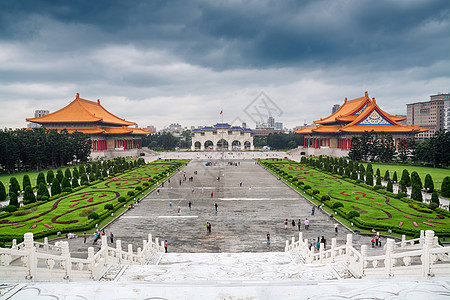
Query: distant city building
[(428, 114), (174, 128), (271, 122), (38, 114), (278, 125), (151, 128), (447, 115), (335, 108), (244, 125)]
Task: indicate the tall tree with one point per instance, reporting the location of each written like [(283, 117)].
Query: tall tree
[(445, 187), (2, 192), (26, 181), (28, 195), (40, 178), (405, 177), (429, 184), (50, 176), (56, 187)]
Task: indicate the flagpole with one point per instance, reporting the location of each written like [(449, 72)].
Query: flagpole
[(221, 112)]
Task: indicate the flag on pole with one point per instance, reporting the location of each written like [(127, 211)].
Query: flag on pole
[(221, 111)]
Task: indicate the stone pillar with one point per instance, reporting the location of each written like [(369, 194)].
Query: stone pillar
[(68, 263), (46, 243), (300, 237), (104, 248), (293, 240), (348, 245), (388, 261), (426, 256), (286, 246), (14, 244), (422, 237), (29, 247), (403, 241), (119, 250), (91, 261), (130, 253), (156, 241), (333, 249), (363, 257), (139, 254), (321, 251), (149, 237)]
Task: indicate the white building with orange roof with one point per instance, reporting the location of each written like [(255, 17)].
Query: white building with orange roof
[(110, 135), (333, 135)]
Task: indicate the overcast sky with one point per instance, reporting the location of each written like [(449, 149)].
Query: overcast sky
[(159, 62)]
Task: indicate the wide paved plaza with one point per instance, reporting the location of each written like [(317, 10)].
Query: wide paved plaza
[(245, 213)]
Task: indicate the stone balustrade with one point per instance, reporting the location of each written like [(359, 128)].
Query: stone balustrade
[(421, 257), (36, 261)]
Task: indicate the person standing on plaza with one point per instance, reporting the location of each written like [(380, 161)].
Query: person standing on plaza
[(376, 239), (293, 225), (212, 194), (285, 224), (192, 190), (306, 224), (324, 242), (336, 224), (190, 205), (268, 238), (240, 183), (84, 238), (165, 246), (313, 209), (216, 206), (111, 237), (299, 224), (179, 210)]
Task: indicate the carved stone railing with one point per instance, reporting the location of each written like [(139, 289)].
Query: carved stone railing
[(405, 258), (42, 262)]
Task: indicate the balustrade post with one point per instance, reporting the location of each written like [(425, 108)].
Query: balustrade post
[(321, 251), (149, 238), (293, 241), (91, 261), (347, 246), (333, 249), (286, 247), (403, 241), (436, 241), (130, 253), (68, 263), (162, 246), (422, 237), (46, 243), (14, 244), (426, 256), (300, 237), (119, 250), (156, 242), (104, 248), (388, 260), (140, 256), (29, 247), (362, 263)]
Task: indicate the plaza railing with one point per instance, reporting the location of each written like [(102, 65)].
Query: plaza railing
[(37, 261), (422, 257)]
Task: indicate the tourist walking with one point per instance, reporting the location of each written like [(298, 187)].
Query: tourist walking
[(179, 210), (324, 242), (111, 237), (379, 241), (293, 225), (376, 240), (157, 191), (268, 238), (212, 194), (299, 224), (306, 224), (336, 224), (373, 242), (190, 205), (285, 224), (313, 210), (165, 246), (216, 206), (240, 183)]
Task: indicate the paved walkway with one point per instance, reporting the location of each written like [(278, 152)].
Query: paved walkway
[(245, 213)]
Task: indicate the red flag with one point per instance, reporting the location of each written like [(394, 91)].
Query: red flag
[(221, 111)]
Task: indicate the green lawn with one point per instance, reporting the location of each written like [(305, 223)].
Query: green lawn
[(374, 208), (437, 174), (69, 213), (4, 177)]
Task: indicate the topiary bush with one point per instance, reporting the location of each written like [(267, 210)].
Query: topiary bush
[(307, 187), (109, 206), (122, 199), (138, 188), (9, 208), (315, 192), (337, 204), (325, 198), (353, 214), (93, 216), (378, 187), (433, 206), (130, 193)]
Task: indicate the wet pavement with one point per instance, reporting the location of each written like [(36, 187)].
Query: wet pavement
[(244, 214)]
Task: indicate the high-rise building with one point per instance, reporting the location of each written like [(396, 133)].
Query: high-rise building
[(271, 122), (37, 114), (428, 114), (447, 115), (335, 108), (278, 125)]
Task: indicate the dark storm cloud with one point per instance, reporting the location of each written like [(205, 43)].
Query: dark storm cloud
[(230, 34)]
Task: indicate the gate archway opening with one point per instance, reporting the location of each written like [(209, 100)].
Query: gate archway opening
[(197, 145), (209, 145), (222, 144), (247, 145)]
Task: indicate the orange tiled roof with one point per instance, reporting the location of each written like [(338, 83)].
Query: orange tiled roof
[(305, 130), (81, 111), (346, 111), (374, 118), (327, 129), (140, 131)]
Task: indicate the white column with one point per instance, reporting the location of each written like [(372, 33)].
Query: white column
[(104, 248), (362, 263), (388, 260), (422, 237), (403, 241), (46, 243), (29, 247), (130, 253), (348, 245), (66, 254), (426, 256), (333, 249), (91, 261), (119, 250)]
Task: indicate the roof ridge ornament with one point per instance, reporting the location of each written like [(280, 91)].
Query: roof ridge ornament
[(366, 94), (373, 100), (98, 101), (345, 101), (78, 96)]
